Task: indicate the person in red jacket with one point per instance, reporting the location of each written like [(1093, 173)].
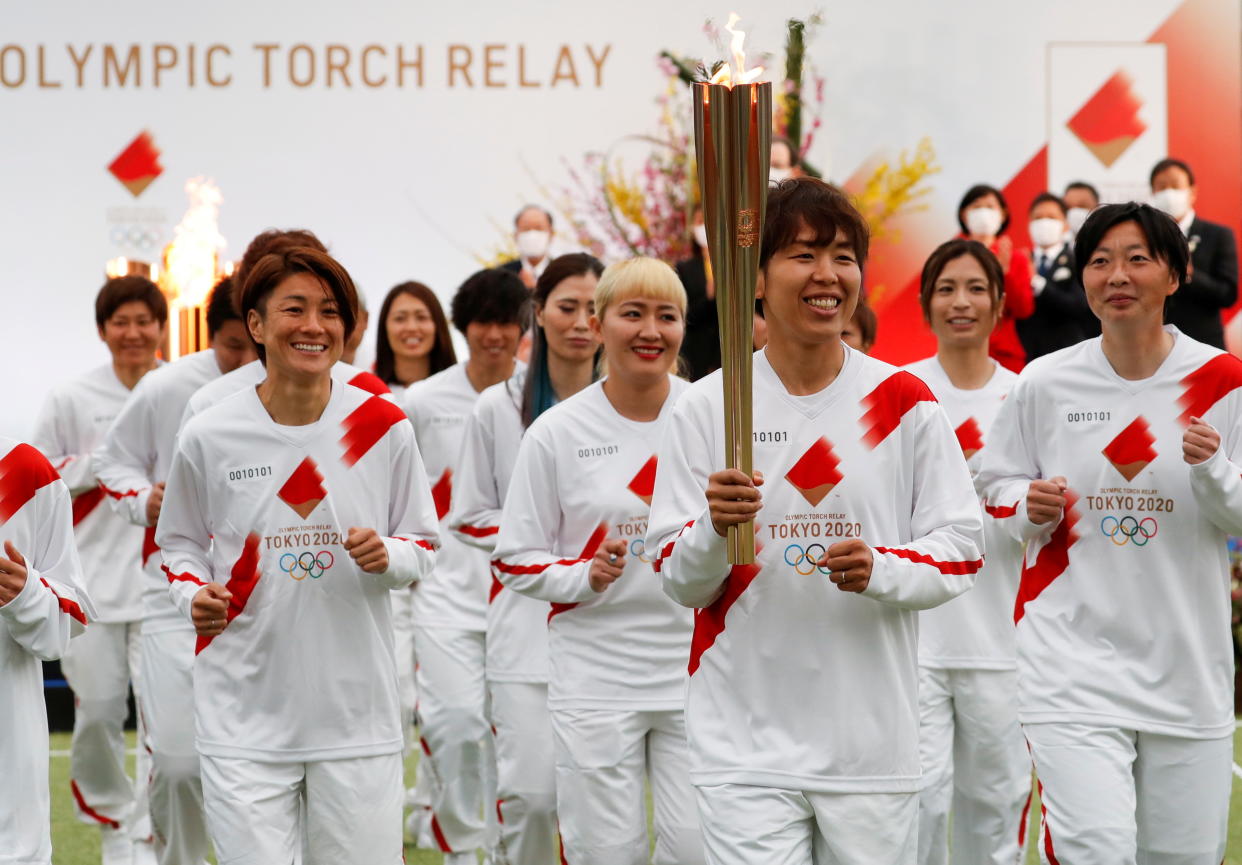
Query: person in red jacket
[(983, 216)]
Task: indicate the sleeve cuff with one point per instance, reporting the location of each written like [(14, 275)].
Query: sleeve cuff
[(27, 597)]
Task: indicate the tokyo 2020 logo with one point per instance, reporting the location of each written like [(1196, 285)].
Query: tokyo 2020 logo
[(1129, 529), (805, 561), (308, 564)]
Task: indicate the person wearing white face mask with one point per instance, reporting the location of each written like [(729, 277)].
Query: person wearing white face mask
[(533, 232), (785, 161), (700, 350), (983, 215), (1061, 317), (1080, 199), (1212, 278)]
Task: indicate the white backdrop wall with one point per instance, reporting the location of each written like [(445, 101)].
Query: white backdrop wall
[(408, 181)]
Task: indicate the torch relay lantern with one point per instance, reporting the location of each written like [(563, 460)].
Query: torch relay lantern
[(733, 137)]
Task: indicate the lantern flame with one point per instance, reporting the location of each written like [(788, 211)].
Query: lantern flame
[(190, 260), (730, 76)]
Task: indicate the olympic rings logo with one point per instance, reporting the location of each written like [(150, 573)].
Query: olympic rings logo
[(1129, 529), (138, 237), (638, 549), (798, 558), (308, 564)]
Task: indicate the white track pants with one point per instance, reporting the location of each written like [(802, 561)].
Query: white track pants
[(326, 812), (975, 764), (100, 665), (603, 757), (457, 740), (525, 774), (1118, 797), (744, 825), (403, 648), (177, 818)]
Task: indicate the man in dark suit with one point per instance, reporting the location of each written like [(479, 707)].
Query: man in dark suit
[(532, 231), (1212, 279), (701, 347), (1061, 317)]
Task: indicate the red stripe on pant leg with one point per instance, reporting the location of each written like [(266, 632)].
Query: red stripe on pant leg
[(1026, 817), (1043, 820), (560, 843), (500, 818), (88, 810), (439, 833)]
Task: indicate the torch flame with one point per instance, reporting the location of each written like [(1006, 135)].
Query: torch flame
[(190, 260), (739, 75)]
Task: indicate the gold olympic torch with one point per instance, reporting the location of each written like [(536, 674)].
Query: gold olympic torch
[(732, 138)]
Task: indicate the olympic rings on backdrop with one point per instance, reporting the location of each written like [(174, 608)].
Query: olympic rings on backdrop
[(308, 564), (1123, 530), (136, 236), (797, 558)]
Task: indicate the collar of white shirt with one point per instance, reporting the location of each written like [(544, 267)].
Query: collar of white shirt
[(1186, 221)]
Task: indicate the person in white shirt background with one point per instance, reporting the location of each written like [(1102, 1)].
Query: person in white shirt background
[(572, 533), (292, 509), (562, 363), (802, 709), (132, 464), (42, 605), (1122, 456), (491, 309), (975, 763), (412, 343), (131, 314)]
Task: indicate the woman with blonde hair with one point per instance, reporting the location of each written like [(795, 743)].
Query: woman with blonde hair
[(572, 533)]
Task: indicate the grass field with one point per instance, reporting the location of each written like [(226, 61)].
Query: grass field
[(75, 843)]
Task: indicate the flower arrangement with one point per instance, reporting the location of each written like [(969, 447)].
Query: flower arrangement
[(615, 210)]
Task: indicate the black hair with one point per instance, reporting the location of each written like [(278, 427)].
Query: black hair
[(954, 249), (1048, 196), (491, 296), (979, 190), (543, 210), (120, 290), (442, 355), (1082, 184), (1164, 236), (1167, 163), (817, 205), (221, 306)]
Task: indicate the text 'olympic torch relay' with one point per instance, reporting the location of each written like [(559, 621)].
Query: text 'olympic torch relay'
[(732, 137)]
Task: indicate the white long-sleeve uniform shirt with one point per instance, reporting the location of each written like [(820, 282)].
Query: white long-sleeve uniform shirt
[(455, 595), (584, 473), (250, 374), (1123, 608), (793, 683), (136, 454), (73, 422), (37, 518), (305, 669), (517, 626), (975, 631)]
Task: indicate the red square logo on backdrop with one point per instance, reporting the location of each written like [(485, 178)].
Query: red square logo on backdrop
[(137, 166)]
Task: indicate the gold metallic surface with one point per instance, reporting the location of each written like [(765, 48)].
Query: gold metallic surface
[(733, 137)]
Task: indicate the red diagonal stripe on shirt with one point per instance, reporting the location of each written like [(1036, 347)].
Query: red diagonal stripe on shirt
[(149, 546), (370, 382), (1051, 561), (962, 567), (68, 607), (478, 531), (709, 622), (242, 580), (442, 494), (366, 425), (85, 503), (496, 589), (1000, 512), (117, 494), (667, 549), (888, 404), (1207, 385), (23, 472), (588, 552)]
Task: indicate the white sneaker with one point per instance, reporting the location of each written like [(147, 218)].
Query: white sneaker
[(116, 847), (468, 858), (418, 825)]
